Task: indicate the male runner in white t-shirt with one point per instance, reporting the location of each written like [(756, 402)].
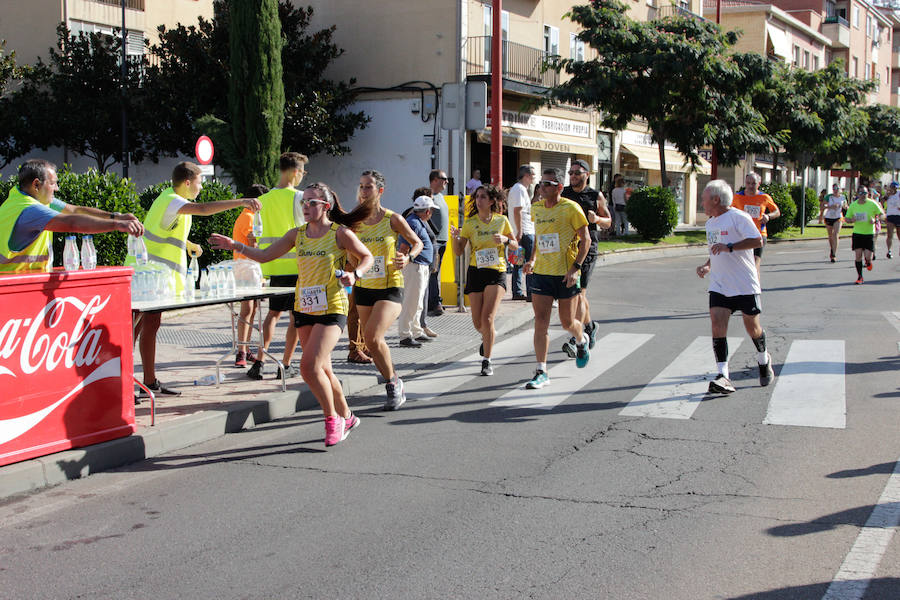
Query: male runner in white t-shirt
[(733, 283)]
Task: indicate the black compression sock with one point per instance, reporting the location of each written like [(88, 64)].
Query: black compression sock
[(720, 349), (859, 268)]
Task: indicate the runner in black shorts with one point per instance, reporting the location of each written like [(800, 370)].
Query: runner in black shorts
[(593, 204)]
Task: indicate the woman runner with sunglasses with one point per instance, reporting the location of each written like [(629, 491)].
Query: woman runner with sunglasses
[(488, 231), (379, 293), (323, 245)]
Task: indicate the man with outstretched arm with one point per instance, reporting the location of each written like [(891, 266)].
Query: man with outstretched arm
[(733, 281)]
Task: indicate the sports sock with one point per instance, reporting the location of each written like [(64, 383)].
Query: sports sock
[(723, 369), (720, 349), (761, 354), (584, 339), (488, 359), (542, 366), (859, 268)]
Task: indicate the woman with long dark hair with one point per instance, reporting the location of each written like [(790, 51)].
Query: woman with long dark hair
[(488, 231), (323, 245)]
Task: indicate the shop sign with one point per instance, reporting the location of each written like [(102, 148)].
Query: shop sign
[(643, 139), (544, 124)]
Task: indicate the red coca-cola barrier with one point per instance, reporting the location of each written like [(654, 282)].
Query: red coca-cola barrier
[(66, 361)]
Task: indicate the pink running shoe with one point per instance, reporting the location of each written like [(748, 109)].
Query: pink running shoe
[(351, 422), (334, 430)]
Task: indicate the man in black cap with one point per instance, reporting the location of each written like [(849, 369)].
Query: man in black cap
[(593, 203)]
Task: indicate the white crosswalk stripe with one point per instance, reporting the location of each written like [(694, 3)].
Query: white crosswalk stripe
[(809, 391), (567, 379), (459, 372), (678, 390)]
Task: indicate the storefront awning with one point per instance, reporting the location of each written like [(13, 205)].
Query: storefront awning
[(781, 45), (536, 140), (648, 158)]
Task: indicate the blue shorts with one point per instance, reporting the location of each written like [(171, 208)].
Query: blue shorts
[(554, 286)]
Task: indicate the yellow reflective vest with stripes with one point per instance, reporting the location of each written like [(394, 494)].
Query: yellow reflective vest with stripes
[(167, 246), (279, 215), (34, 256)]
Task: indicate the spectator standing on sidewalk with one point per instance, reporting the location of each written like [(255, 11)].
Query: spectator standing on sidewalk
[(281, 213), (243, 232), (415, 275), (166, 229), (892, 210), (761, 209), (440, 223), (733, 282), (519, 216), (619, 200), (31, 214), (474, 183), (593, 204)]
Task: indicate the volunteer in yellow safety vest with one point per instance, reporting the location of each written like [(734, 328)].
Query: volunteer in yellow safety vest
[(166, 229), (30, 214), (280, 213)]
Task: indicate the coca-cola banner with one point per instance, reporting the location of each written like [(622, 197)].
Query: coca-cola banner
[(66, 361)]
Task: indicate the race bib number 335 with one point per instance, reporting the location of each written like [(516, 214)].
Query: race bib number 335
[(487, 257)]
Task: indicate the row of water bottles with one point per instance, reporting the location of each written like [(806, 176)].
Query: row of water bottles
[(73, 258), (216, 281)]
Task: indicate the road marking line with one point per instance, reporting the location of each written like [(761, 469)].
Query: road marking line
[(809, 391), (861, 563), (445, 379), (678, 390), (567, 379), (893, 318)]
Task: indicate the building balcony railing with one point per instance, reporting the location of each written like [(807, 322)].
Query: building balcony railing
[(671, 10), (838, 31), (130, 4), (521, 63)]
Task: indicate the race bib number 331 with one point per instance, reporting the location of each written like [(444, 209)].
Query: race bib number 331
[(312, 299)]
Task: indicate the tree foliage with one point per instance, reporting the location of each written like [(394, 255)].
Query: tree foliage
[(867, 151), (75, 100), (675, 73), (11, 128), (316, 112)]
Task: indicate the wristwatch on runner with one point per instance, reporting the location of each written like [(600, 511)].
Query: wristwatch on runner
[(730, 246)]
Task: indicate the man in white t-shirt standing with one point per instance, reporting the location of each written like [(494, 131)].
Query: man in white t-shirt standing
[(733, 281), (519, 201)]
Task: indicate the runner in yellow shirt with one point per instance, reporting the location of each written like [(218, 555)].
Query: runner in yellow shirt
[(323, 245), (488, 231), (561, 245)]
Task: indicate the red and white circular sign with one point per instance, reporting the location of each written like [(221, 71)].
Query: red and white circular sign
[(204, 150)]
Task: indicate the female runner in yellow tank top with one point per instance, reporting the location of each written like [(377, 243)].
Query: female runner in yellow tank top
[(323, 245), (379, 294), (487, 230)]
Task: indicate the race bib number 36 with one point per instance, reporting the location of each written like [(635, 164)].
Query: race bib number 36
[(312, 299), (377, 271), (487, 257), (548, 243)]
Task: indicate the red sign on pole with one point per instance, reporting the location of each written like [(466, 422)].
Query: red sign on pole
[(204, 150)]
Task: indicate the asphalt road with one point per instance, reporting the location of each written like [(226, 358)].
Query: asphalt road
[(453, 497)]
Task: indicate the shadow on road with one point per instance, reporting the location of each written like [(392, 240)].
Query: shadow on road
[(856, 517), (881, 469), (882, 588)]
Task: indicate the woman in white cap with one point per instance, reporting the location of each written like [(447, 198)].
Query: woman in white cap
[(832, 211), (488, 231)]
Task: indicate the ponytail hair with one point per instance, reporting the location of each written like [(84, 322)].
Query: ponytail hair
[(497, 196), (336, 213)]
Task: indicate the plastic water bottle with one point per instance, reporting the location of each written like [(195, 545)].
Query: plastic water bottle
[(209, 380), (70, 254), (49, 267), (230, 281), (88, 252), (189, 286), (257, 226), (194, 268), (141, 256), (204, 284)]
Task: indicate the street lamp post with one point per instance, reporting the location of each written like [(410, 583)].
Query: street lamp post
[(124, 91), (805, 159)]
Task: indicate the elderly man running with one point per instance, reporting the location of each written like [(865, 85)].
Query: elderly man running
[(734, 281)]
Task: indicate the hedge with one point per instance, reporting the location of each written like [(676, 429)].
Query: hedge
[(653, 212), (781, 194), (812, 204)]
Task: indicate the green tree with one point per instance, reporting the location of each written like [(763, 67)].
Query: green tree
[(251, 139), (75, 100), (316, 116), (867, 151), (676, 73), (12, 134)]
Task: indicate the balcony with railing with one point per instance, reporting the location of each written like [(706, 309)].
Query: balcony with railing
[(521, 64), (837, 29), (671, 10), (130, 4)]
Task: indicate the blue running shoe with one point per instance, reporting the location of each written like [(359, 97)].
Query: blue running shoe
[(591, 330), (539, 380), (583, 356)]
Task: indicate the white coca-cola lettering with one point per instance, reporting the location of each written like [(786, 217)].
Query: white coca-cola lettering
[(78, 347)]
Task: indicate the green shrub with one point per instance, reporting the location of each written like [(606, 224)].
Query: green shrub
[(202, 227), (812, 204), (106, 191), (653, 212), (5, 186), (781, 194)]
